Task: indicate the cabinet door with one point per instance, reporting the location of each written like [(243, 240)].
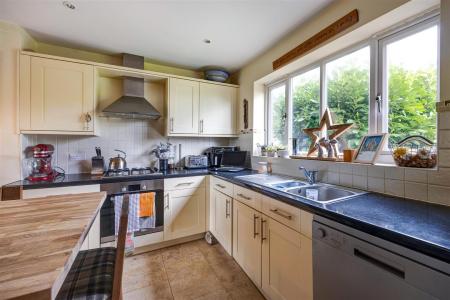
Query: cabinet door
[(222, 220), (61, 95), (247, 240), (286, 262), (184, 213), (183, 106), (217, 109)]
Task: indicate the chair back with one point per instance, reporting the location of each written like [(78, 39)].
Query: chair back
[(120, 251)]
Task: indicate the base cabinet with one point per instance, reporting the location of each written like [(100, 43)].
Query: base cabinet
[(247, 240), (221, 221), (184, 213), (286, 262)]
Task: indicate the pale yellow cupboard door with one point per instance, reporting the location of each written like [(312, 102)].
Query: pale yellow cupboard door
[(217, 109), (61, 95), (286, 262), (247, 240), (183, 106), (222, 220), (184, 213)]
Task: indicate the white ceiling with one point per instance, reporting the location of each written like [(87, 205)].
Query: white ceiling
[(170, 31)]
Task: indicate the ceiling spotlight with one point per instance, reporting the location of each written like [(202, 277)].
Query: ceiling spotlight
[(207, 41), (69, 5)]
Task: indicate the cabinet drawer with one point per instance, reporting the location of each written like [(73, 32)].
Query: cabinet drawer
[(247, 197), (222, 186), (282, 212), (184, 183)]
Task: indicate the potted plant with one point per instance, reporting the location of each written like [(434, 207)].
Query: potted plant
[(282, 152), (271, 151)]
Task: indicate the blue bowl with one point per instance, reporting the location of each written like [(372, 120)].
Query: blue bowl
[(217, 75)]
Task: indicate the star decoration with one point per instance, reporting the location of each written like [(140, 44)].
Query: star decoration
[(325, 122)]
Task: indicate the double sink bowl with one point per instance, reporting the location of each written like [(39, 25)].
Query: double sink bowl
[(317, 192)]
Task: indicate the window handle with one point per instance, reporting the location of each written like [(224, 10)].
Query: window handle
[(379, 101)]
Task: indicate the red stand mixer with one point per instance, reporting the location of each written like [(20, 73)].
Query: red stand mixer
[(41, 163)]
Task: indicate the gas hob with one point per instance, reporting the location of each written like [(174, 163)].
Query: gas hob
[(131, 172)]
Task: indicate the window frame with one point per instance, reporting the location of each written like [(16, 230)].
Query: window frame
[(377, 74)]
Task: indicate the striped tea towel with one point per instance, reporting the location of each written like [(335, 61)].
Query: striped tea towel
[(133, 213)]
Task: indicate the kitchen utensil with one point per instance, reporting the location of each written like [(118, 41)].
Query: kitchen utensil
[(118, 162), (98, 163)]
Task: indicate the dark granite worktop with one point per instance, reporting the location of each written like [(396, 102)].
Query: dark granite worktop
[(420, 226)]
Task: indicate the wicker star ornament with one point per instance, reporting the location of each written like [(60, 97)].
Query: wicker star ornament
[(325, 123)]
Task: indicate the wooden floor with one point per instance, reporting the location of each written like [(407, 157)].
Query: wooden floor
[(194, 270)]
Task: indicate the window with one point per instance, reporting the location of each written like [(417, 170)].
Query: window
[(277, 115), (348, 86), (305, 105), (388, 84), (410, 83)]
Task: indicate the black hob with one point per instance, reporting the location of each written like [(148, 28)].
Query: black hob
[(131, 172)]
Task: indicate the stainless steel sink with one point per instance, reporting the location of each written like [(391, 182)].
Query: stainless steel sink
[(323, 193), (320, 192)]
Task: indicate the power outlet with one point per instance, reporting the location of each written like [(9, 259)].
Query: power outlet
[(77, 156)]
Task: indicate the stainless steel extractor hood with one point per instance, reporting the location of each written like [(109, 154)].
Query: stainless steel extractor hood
[(132, 104)]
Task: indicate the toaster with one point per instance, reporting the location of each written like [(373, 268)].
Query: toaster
[(195, 161)]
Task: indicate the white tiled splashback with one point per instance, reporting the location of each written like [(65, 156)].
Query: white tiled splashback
[(136, 137), (419, 184)]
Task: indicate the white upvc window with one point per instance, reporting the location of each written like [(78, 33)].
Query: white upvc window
[(388, 83)]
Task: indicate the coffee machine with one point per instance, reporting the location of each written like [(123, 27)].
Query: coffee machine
[(215, 154)]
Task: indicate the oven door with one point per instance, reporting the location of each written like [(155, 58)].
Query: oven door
[(107, 219)]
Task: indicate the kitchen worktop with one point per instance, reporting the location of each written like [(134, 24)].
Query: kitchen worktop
[(39, 240), (417, 225), (420, 226), (86, 179)]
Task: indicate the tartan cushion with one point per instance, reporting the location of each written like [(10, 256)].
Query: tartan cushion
[(91, 275)]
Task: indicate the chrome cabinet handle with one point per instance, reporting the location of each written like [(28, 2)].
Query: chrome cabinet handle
[(281, 213), (184, 183), (221, 186), (171, 124), (87, 119), (243, 196), (255, 217), (262, 230), (227, 208), (167, 205), (201, 126)]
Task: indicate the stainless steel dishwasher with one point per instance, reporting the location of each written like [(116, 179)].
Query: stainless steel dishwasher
[(349, 264)]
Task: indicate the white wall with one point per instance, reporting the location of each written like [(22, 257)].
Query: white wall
[(12, 38)]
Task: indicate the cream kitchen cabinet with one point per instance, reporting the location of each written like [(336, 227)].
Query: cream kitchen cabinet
[(217, 109), (56, 97), (183, 107), (247, 240), (184, 207), (220, 219), (201, 109), (286, 262)]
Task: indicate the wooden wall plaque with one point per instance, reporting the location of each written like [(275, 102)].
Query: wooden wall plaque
[(325, 34)]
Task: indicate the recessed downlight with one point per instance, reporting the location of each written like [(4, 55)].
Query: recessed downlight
[(207, 41), (69, 5)]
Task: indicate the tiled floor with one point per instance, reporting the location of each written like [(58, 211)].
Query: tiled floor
[(193, 270)]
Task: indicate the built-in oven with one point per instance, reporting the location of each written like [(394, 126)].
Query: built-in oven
[(107, 216)]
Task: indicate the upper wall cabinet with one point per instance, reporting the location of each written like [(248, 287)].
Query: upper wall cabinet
[(183, 107), (217, 109), (201, 109), (56, 96)]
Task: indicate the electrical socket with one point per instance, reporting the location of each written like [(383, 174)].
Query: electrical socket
[(77, 156)]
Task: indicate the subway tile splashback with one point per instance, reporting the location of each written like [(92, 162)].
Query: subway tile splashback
[(136, 137)]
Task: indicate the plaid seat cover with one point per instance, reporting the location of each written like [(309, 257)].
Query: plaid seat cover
[(91, 275)]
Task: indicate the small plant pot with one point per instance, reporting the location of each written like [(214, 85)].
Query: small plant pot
[(271, 154), (283, 153)]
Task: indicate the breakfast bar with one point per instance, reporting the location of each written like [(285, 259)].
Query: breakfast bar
[(39, 241)]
